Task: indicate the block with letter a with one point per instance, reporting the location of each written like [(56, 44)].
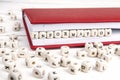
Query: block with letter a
[(73, 27)]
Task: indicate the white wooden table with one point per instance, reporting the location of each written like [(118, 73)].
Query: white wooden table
[(112, 73)]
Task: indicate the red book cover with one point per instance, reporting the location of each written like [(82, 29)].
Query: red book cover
[(69, 15)]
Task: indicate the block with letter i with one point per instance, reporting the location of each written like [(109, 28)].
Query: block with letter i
[(73, 27)]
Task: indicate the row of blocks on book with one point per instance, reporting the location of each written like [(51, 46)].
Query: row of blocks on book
[(72, 33)]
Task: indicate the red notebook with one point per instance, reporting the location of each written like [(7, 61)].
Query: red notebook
[(55, 27)]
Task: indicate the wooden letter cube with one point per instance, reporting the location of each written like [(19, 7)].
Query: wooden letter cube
[(107, 57), (53, 75), (14, 54), (2, 29), (34, 35), (13, 17), (16, 26), (64, 50), (40, 51), (117, 51), (15, 75), (73, 33), (87, 33), (94, 33), (6, 57), (9, 66), (101, 51), (13, 44), (57, 34), (108, 32), (110, 51), (80, 33), (65, 61), (74, 68), (42, 35), (47, 56), (98, 45), (112, 46), (101, 32), (86, 66), (31, 61), (2, 51), (13, 37), (22, 52), (65, 34), (39, 72), (101, 65), (81, 54), (50, 34), (88, 45), (92, 52), (54, 62)]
